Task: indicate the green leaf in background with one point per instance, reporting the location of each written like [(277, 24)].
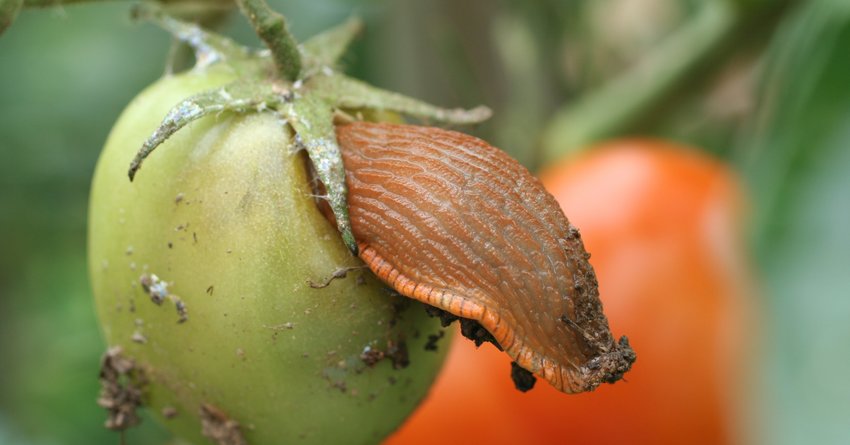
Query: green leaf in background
[(801, 153), (64, 76)]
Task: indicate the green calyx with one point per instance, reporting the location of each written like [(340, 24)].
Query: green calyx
[(307, 103)]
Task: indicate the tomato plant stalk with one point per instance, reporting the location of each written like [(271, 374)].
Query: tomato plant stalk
[(272, 29)]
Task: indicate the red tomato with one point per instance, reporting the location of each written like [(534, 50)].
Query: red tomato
[(664, 226)]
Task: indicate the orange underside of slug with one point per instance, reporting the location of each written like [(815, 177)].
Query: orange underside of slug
[(445, 218)]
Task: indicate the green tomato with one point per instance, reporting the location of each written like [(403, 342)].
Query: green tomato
[(222, 214)]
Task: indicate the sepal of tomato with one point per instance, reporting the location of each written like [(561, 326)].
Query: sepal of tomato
[(664, 225)]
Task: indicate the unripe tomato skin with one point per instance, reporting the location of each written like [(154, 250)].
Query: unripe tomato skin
[(223, 212), (664, 226)]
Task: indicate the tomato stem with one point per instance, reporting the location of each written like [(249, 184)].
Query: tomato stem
[(272, 29)]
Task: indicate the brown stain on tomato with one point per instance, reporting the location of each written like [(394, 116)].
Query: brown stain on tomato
[(447, 219)]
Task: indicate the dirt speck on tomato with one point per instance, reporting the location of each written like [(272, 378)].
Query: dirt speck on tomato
[(218, 427), (139, 338), (158, 292), (122, 385), (169, 412), (371, 356), (397, 352), (431, 345)]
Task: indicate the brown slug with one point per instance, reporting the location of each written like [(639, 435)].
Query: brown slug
[(447, 219)]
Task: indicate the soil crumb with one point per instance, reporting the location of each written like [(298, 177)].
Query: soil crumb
[(158, 291), (470, 329), (154, 287), (121, 389), (397, 352), (446, 318), (371, 356), (473, 330), (431, 344), (217, 426), (139, 338), (182, 312), (523, 379), (400, 305), (169, 412)]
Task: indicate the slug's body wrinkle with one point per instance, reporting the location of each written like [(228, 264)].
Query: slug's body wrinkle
[(449, 220)]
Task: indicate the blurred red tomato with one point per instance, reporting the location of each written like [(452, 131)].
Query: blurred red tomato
[(664, 226)]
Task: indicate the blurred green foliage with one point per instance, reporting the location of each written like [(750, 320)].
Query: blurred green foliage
[(64, 76), (798, 166), (775, 101)]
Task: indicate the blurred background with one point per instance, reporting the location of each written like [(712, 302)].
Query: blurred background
[(758, 90)]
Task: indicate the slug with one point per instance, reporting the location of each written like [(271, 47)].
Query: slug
[(447, 219)]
